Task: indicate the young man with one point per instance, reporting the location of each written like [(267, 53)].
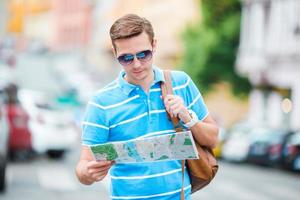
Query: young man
[(131, 107)]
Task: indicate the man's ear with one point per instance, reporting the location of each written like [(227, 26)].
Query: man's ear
[(154, 45), (114, 51)]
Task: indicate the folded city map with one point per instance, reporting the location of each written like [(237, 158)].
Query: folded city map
[(176, 146)]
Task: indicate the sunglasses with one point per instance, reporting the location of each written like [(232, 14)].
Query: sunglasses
[(127, 59)]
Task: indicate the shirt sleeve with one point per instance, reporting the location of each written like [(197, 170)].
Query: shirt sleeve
[(95, 125), (195, 100)]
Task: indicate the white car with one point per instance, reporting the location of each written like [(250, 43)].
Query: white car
[(241, 137), (237, 145), (53, 130)]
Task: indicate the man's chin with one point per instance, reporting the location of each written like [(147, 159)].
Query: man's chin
[(138, 79), (138, 76)]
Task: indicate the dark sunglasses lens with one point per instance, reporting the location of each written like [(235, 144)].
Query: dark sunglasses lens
[(144, 55), (126, 59)]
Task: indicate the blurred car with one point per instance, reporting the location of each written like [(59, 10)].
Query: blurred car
[(237, 144), (266, 146), (53, 129), (4, 134), (221, 140), (19, 134), (291, 152)]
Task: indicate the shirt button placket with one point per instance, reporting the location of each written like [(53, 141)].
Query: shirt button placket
[(149, 108), (148, 104)]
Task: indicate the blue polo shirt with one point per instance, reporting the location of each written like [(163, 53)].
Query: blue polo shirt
[(122, 111)]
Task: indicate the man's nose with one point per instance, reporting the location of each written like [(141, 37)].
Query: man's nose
[(136, 63)]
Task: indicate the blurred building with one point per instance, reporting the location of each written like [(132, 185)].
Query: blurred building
[(72, 23), (269, 54), (3, 17), (19, 10), (60, 24), (37, 23), (68, 24)]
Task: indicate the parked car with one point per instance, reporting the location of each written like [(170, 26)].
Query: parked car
[(19, 134), (237, 145), (53, 129), (291, 152), (4, 134), (266, 146)]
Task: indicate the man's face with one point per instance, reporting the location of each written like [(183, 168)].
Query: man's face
[(139, 70)]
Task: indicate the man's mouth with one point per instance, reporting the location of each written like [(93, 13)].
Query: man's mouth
[(137, 72)]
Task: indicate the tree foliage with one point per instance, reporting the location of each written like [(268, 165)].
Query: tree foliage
[(211, 46)]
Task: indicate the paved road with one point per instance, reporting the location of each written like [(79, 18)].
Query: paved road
[(47, 179), (243, 182)]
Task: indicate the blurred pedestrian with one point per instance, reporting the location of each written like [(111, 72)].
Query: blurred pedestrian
[(131, 107)]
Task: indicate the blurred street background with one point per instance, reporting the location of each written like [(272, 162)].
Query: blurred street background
[(244, 56)]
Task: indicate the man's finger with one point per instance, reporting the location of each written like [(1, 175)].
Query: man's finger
[(95, 163), (175, 105), (99, 169)]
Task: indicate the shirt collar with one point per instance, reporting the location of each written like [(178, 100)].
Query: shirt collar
[(158, 75), (128, 87)]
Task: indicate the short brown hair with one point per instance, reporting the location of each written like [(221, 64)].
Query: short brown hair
[(129, 26)]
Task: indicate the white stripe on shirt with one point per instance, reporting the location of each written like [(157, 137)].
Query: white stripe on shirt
[(114, 105), (194, 101), (149, 176), (155, 90), (95, 125), (204, 116), (146, 135), (96, 105), (175, 88), (156, 133), (123, 102), (108, 88), (182, 86), (149, 196), (157, 111), (137, 117), (129, 120)]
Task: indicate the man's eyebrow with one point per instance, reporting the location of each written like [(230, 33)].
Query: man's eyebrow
[(145, 49)]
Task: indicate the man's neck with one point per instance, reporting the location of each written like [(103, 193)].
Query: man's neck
[(146, 84)]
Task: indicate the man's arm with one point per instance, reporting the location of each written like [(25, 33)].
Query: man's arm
[(89, 170), (206, 132)]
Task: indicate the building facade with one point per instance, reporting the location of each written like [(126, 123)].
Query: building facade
[(269, 55), (72, 21)]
